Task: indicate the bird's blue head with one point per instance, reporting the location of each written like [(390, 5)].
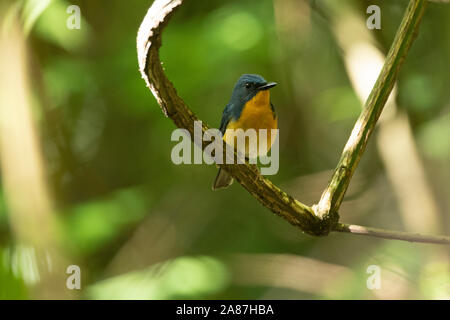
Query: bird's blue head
[(248, 86)]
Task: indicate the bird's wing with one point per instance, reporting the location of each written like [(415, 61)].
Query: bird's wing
[(273, 110), (226, 117)]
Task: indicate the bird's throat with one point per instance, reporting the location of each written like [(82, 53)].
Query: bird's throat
[(261, 99)]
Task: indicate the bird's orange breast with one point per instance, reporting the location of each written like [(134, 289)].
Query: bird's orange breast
[(257, 114)]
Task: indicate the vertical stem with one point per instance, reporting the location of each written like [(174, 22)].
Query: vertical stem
[(334, 193)]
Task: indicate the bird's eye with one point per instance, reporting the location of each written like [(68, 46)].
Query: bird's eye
[(248, 85)]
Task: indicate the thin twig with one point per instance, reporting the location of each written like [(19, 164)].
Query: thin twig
[(388, 234)]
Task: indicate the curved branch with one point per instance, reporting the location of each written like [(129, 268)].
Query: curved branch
[(269, 195), (272, 197)]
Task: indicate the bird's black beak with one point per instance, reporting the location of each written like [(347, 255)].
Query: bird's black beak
[(267, 86)]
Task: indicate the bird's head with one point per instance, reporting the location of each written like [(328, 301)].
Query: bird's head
[(249, 85)]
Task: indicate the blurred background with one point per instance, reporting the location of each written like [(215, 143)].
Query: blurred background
[(86, 177)]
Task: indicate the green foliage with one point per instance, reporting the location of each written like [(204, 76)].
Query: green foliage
[(434, 138), (92, 225), (55, 15), (11, 285), (107, 147), (181, 278)]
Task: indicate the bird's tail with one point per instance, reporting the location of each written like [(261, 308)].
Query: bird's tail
[(223, 180)]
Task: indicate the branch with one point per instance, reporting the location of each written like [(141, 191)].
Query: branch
[(388, 234), (333, 195), (269, 195)]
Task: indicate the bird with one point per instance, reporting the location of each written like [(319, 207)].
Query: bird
[(249, 108)]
